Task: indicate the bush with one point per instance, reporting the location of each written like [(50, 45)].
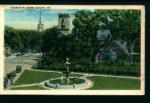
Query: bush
[(106, 63), (123, 56), (112, 70), (121, 67), (136, 58)]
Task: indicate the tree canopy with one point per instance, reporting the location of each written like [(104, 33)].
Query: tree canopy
[(82, 42), (123, 24), (20, 40)]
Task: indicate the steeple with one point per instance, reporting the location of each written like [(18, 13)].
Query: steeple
[(40, 17), (40, 24)]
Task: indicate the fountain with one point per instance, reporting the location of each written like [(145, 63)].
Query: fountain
[(67, 82), (67, 72)]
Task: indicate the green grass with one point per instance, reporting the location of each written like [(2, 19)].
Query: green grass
[(29, 77), (28, 88), (99, 82), (112, 83)]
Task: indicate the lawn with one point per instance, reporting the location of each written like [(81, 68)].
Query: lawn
[(29, 77), (28, 88), (99, 82), (112, 83)]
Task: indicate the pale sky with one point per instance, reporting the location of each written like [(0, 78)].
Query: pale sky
[(28, 19)]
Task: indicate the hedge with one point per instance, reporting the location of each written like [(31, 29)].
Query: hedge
[(130, 70)]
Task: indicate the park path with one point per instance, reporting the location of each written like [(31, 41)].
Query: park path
[(87, 74), (25, 85)]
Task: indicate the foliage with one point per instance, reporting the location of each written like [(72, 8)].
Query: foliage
[(106, 67), (123, 24), (109, 69), (57, 45), (21, 40)]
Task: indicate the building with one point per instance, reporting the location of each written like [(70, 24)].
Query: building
[(103, 35), (64, 23), (40, 26)]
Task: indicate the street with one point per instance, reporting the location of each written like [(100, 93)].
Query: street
[(25, 61)]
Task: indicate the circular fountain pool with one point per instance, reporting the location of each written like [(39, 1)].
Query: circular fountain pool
[(61, 83)]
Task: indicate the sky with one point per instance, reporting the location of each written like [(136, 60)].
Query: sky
[(28, 19)]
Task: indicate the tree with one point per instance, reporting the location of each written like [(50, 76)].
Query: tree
[(126, 26), (85, 28), (123, 24), (57, 45), (51, 41), (20, 40), (12, 38)]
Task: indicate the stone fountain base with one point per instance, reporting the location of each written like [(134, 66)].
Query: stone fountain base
[(74, 83)]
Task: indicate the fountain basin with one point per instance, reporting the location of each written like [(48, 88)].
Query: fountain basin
[(60, 83)]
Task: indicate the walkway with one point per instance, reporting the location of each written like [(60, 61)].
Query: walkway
[(87, 74)]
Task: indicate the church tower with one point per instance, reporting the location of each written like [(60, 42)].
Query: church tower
[(64, 23), (40, 24)]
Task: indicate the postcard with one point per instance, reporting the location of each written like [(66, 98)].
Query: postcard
[(72, 49)]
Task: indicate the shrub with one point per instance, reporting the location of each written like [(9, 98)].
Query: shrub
[(121, 67), (106, 63)]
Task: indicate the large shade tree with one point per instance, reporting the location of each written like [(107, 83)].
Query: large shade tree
[(126, 27), (85, 28), (58, 45), (123, 24), (20, 40)]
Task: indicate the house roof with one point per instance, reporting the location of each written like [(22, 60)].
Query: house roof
[(103, 34)]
